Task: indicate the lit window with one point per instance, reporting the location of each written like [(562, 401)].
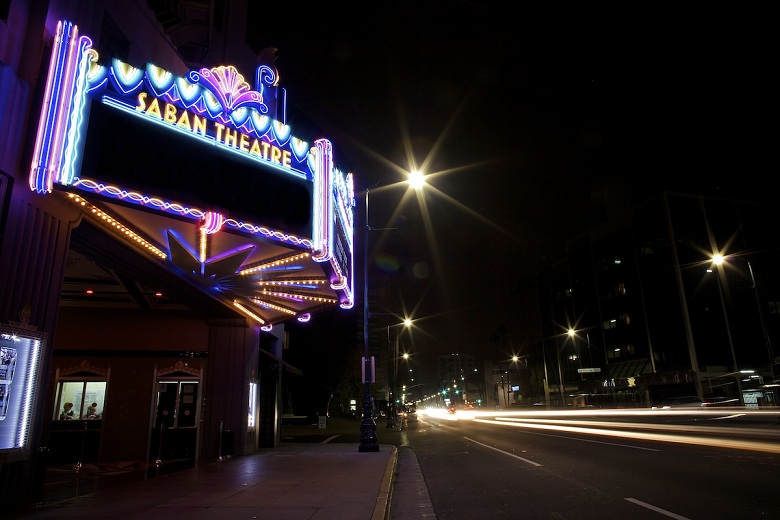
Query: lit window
[(252, 406), (79, 400)]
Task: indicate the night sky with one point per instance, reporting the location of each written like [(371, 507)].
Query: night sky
[(531, 125)]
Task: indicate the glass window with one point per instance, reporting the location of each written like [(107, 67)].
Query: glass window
[(79, 400)]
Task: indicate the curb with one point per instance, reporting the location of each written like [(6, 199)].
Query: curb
[(382, 507)]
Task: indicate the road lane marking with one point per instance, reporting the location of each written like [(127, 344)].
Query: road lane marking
[(504, 452), (619, 445), (657, 509)]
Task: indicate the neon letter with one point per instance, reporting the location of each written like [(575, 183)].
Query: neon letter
[(141, 102), (170, 114)]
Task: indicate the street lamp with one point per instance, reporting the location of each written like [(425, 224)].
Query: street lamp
[(573, 335), (576, 335), (719, 260), (506, 369), (368, 440)]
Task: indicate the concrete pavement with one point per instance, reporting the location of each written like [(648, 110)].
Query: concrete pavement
[(316, 474)]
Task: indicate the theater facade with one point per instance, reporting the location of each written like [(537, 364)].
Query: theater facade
[(159, 228)]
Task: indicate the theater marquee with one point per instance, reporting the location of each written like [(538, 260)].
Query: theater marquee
[(205, 148)]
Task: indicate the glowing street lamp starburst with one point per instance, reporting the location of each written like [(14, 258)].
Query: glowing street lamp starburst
[(416, 179)]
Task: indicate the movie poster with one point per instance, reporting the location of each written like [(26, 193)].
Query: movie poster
[(7, 368), (20, 354)]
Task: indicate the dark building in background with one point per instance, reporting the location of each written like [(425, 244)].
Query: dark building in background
[(653, 316), (460, 382)]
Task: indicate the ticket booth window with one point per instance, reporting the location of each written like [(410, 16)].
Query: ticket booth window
[(79, 400)]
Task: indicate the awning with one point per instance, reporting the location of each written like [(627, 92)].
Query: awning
[(628, 369), (284, 363)]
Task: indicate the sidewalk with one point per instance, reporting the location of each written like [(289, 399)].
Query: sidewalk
[(316, 474)]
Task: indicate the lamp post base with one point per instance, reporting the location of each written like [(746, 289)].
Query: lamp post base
[(368, 441)]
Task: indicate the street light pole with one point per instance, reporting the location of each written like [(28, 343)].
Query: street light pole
[(573, 335), (764, 331), (590, 354), (391, 379), (718, 270), (368, 440), (392, 366), (546, 377), (560, 376)]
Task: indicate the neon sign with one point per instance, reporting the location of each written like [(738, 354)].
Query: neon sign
[(209, 145)]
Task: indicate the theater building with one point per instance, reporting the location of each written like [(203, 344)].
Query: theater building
[(160, 223)]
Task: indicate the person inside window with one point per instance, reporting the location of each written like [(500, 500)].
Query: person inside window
[(92, 412), (67, 412)]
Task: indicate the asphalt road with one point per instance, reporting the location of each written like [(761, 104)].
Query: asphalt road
[(478, 470)]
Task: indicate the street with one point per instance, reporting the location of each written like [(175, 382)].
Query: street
[(691, 466)]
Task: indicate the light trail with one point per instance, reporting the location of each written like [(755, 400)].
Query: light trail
[(614, 412), (718, 430), (765, 447)]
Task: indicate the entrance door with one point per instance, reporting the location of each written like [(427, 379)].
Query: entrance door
[(174, 436)]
